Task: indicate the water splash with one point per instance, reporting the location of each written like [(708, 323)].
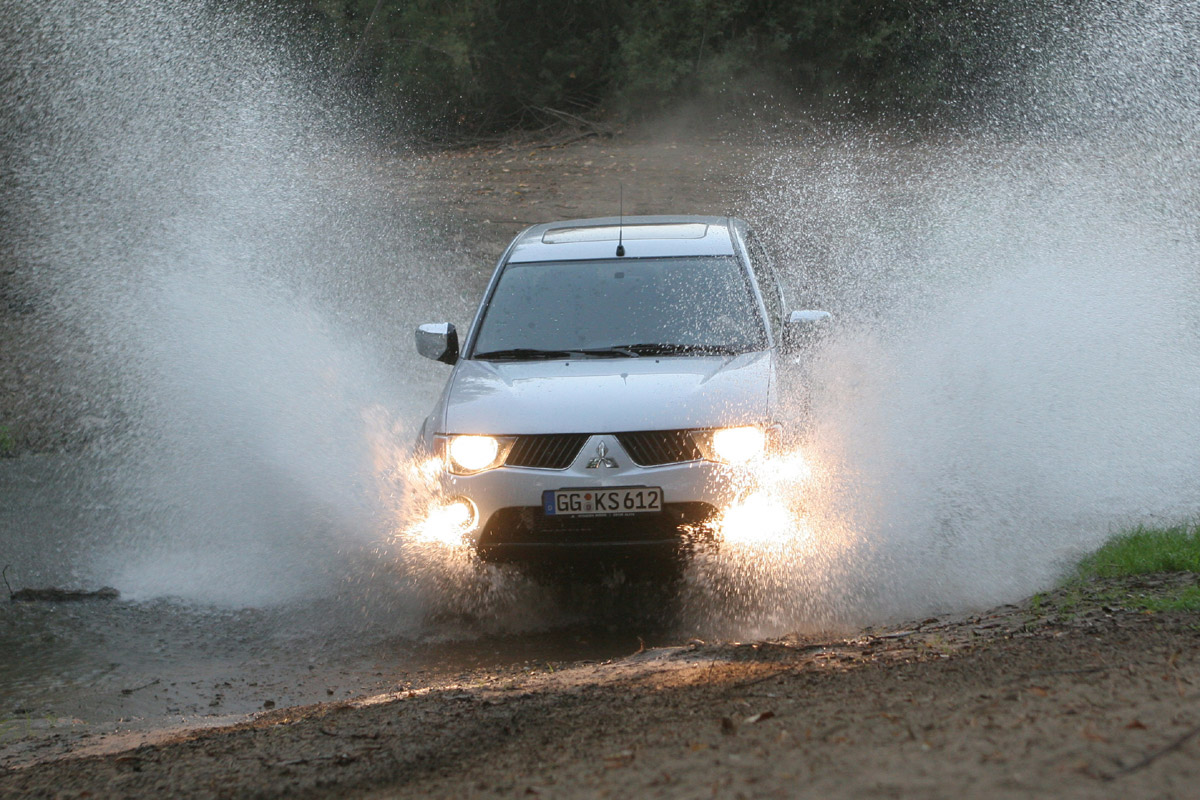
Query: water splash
[(1016, 372), (230, 280)]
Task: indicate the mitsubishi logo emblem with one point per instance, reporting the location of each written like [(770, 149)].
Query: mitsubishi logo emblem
[(602, 459)]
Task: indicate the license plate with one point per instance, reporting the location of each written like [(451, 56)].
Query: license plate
[(598, 502)]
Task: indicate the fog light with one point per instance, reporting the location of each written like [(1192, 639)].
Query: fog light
[(448, 522), (739, 445), (756, 521), (461, 513)]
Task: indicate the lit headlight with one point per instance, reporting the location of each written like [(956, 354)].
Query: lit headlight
[(734, 445), (466, 455)]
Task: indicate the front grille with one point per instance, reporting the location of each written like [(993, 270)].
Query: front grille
[(652, 448), (545, 451)]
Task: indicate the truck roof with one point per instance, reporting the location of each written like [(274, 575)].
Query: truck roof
[(643, 237)]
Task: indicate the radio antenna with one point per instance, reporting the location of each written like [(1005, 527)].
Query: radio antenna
[(621, 221)]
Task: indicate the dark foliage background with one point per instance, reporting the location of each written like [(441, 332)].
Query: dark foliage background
[(473, 66), (469, 67)]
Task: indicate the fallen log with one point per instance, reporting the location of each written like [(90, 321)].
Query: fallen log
[(53, 594)]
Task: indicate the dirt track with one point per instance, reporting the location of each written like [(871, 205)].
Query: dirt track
[(1095, 702)]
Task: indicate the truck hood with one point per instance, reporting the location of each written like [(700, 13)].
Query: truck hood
[(608, 395)]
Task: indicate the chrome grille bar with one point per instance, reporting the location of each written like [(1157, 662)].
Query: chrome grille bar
[(545, 451), (654, 448)]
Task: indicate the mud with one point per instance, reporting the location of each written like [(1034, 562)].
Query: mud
[(1044, 699)]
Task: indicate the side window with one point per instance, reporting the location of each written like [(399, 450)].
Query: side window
[(764, 270)]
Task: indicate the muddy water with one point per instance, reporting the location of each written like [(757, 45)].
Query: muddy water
[(72, 671)]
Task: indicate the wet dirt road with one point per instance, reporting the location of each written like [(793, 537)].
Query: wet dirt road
[(73, 671), (1016, 702)]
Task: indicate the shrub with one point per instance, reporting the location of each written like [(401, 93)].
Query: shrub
[(482, 65)]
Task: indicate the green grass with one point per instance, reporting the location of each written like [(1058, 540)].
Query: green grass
[(1141, 551), (1145, 550), (1181, 599)]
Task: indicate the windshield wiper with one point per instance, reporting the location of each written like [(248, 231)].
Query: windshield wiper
[(522, 354), (668, 349), (609, 352), (616, 351), (533, 354)]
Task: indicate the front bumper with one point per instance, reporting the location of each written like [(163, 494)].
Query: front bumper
[(511, 524), (529, 535)]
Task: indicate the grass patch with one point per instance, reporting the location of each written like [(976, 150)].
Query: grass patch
[(1112, 576), (1182, 598), (1145, 550)]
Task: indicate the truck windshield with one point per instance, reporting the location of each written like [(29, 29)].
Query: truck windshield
[(621, 307)]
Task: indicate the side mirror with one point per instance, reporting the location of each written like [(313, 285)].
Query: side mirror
[(439, 341), (803, 327)]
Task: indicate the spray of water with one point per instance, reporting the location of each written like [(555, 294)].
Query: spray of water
[(1016, 374), (214, 245)]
